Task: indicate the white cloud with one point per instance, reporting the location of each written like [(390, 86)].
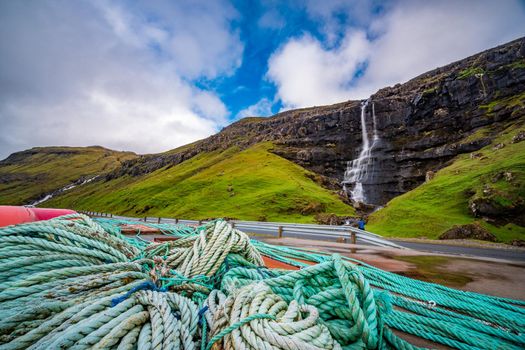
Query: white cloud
[(420, 38), (80, 73), (412, 38), (307, 74), (263, 108)]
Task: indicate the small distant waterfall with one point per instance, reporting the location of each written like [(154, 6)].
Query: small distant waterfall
[(62, 190), (358, 169)]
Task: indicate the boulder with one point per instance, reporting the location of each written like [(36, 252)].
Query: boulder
[(518, 243), (519, 137), (469, 231)]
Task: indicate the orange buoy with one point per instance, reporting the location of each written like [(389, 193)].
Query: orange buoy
[(12, 215), (50, 213)]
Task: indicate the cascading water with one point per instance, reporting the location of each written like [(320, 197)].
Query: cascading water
[(358, 169), (63, 189)]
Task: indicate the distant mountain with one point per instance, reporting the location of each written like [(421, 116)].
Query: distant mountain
[(444, 149), (31, 175)]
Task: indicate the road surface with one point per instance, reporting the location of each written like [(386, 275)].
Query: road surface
[(493, 253)]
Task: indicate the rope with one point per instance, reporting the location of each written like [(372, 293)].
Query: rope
[(77, 283)]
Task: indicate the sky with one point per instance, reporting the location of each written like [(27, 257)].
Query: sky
[(149, 76)]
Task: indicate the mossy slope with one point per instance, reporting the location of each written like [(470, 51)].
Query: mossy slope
[(27, 175), (442, 202), (253, 184)]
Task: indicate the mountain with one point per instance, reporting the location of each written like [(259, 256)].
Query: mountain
[(440, 150), (251, 183), (28, 176)]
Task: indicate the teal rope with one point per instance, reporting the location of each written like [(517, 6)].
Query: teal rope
[(58, 276), (236, 325)]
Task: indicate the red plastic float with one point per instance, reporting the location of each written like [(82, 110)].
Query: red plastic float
[(12, 215)]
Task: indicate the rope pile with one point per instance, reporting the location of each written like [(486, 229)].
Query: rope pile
[(77, 283)]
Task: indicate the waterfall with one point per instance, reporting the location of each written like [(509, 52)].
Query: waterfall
[(358, 169), (62, 190)]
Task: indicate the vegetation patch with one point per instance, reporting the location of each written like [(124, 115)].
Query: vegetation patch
[(252, 184), (517, 100), (469, 72), (437, 205), (32, 173)]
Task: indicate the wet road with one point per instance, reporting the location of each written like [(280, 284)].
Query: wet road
[(505, 254)]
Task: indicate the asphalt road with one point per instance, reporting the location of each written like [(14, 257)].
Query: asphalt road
[(493, 253), (505, 254)]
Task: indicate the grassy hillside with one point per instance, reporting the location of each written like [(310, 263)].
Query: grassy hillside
[(437, 205), (253, 184), (25, 176)]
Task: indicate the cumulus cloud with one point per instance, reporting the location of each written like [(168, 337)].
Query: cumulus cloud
[(411, 37), (84, 73), (307, 74), (263, 108)]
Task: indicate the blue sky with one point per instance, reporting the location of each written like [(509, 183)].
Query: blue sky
[(263, 28), (148, 76)]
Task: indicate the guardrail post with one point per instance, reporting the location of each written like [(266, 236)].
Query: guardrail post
[(110, 215), (280, 232), (353, 237), (233, 224), (145, 219), (176, 220), (158, 221), (200, 222)]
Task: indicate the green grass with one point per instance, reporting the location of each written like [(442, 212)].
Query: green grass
[(253, 184), (437, 205), (466, 73), (52, 168), (517, 100), (520, 64)]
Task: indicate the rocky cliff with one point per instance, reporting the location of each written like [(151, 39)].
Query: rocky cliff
[(422, 124)]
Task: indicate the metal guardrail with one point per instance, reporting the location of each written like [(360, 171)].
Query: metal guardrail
[(279, 229)]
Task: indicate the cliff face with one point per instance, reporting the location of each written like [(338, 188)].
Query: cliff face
[(421, 125)]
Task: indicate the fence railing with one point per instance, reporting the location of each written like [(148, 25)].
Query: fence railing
[(278, 229)]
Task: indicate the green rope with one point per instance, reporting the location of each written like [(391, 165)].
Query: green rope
[(59, 280), (237, 325)]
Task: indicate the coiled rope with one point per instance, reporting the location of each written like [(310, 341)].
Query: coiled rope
[(77, 283)]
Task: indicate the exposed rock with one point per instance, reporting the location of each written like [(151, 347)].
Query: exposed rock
[(332, 219), (478, 155), (429, 175), (422, 125), (312, 208), (440, 113), (519, 137), (498, 207), (518, 243), (363, 207), (498, 146), (508, 176), (469, 231)]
